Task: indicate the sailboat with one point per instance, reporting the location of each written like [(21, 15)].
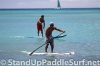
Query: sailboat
[(58, 5)]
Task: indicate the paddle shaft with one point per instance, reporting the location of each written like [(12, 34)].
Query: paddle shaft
[(42, 45), (36, 49)]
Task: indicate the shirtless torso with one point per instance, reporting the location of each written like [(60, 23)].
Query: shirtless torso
[(49, 31), (40, 21)]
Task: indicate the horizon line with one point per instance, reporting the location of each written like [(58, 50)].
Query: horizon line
[(53, 8)]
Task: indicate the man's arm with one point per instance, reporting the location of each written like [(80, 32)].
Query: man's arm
[(58, 29), (44, 24)]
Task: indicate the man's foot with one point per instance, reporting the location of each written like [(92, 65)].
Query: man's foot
[(46, 52)]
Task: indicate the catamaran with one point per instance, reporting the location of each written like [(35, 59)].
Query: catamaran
[(58, 4)]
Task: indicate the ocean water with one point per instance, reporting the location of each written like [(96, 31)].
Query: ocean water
[(18, 37)]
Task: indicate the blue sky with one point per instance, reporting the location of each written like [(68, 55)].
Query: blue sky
[(49, 3)]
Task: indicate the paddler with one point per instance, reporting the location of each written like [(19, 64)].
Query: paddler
[(49, 38)]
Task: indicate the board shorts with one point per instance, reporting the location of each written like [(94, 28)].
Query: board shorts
[(39, 27), (52, 41)]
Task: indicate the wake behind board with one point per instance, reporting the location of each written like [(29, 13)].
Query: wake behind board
[(67, 53), (35, 37)]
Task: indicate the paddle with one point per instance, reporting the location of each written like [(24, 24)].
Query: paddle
[(43, 45), (60, 36)]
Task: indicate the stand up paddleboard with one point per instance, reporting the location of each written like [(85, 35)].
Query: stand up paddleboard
[(67, 53)]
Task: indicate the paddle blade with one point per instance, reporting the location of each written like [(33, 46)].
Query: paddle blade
[(31, 53)]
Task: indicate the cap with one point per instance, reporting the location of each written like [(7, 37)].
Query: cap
[(51, 24)]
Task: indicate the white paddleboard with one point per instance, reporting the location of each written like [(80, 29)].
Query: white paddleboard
[(68, 53)]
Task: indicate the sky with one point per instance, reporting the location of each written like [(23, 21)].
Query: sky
[(49, 3)]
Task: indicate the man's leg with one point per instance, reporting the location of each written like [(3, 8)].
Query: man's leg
[(42, 32), (38, 32), (52, 47), (46, 47), (38, 29)]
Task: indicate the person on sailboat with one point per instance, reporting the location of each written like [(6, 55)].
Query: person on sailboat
[(49, 38), (39, 25)]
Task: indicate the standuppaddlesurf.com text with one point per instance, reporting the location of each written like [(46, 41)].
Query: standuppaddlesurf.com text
[(35, 62)]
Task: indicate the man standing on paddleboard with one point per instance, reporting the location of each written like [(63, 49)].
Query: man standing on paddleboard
[(49, 38), (39, 25)]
